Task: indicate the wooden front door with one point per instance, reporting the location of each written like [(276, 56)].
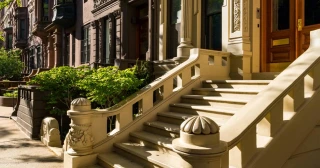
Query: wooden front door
[(286, 25)]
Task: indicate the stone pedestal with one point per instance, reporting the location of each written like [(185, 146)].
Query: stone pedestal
[(199, 143), (79, 140)]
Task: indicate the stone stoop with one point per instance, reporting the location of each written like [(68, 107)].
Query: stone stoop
[(152, 147)]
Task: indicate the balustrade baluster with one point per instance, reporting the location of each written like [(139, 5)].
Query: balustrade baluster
[(241, 154), (269, 125), (295, 97)]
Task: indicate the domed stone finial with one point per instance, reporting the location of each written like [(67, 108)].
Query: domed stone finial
[(81, 104), (199, 125)]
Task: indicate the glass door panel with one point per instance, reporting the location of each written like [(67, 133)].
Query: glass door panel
[(312, 12), (281, 15)]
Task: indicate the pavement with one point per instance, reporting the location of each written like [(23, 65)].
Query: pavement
[(18, 151)]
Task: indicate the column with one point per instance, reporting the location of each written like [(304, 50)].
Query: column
[(124, 29), (100, 44), (95, 34), (186, 29), (50, 54), (149, 54), (57, 48)]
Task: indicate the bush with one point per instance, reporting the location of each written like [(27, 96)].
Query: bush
[(10, 64), (108, 86), (104, 86), (61, 83), (13, 94)]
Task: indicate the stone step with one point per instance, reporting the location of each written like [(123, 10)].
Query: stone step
[(149, 157), (197, 109), (214, 100), (112, 159), (265, 75), (164, 67), (154, 141), (229, 92), (162, 128), (164, 62), (178, 118), (243, 84)]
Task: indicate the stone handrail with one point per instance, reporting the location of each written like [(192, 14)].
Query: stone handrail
[(201, 65), (264, 114)]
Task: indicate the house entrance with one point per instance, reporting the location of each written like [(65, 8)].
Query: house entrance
[(212, 36), (286, 26)]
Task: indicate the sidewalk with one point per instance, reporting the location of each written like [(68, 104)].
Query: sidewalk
[(17, 151)]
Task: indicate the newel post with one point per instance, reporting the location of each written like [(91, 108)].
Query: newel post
[(79, 140), (199, 144)]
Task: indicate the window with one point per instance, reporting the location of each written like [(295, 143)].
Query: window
[(39, 59), (31, 59), (9, 41), (45, 10), (85, 45), (22, 29)]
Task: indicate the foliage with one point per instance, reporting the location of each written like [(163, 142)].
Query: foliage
[(105, 86), (108, 86), (11, 94), (142, 72), (10, 64), (61, 85), (5, 3)]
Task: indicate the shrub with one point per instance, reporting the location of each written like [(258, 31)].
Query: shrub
[(108, 86), (13, 94), (61, 85), (10, 64)]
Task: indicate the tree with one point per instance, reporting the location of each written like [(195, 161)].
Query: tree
[(10, 64), (5, 3)]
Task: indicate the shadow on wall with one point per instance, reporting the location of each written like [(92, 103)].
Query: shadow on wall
[(236, 69)]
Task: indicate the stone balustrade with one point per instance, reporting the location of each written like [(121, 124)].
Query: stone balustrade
[(143, 105), (283, 105)]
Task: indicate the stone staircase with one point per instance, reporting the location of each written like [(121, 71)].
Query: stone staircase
[(152, 147)]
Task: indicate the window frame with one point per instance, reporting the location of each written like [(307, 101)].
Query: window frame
[(85, 44)]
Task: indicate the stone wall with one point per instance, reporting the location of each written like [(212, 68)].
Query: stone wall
[(30, 110)]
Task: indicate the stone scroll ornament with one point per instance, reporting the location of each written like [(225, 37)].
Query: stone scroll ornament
[(79, 140)]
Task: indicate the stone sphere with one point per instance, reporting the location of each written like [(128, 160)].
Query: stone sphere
[(199, 125)]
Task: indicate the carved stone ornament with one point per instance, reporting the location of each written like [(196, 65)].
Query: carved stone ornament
[(199, 125), (236, 15), (199, 135), (81, 104), (49, 132), (79, 140), (245, 16)]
